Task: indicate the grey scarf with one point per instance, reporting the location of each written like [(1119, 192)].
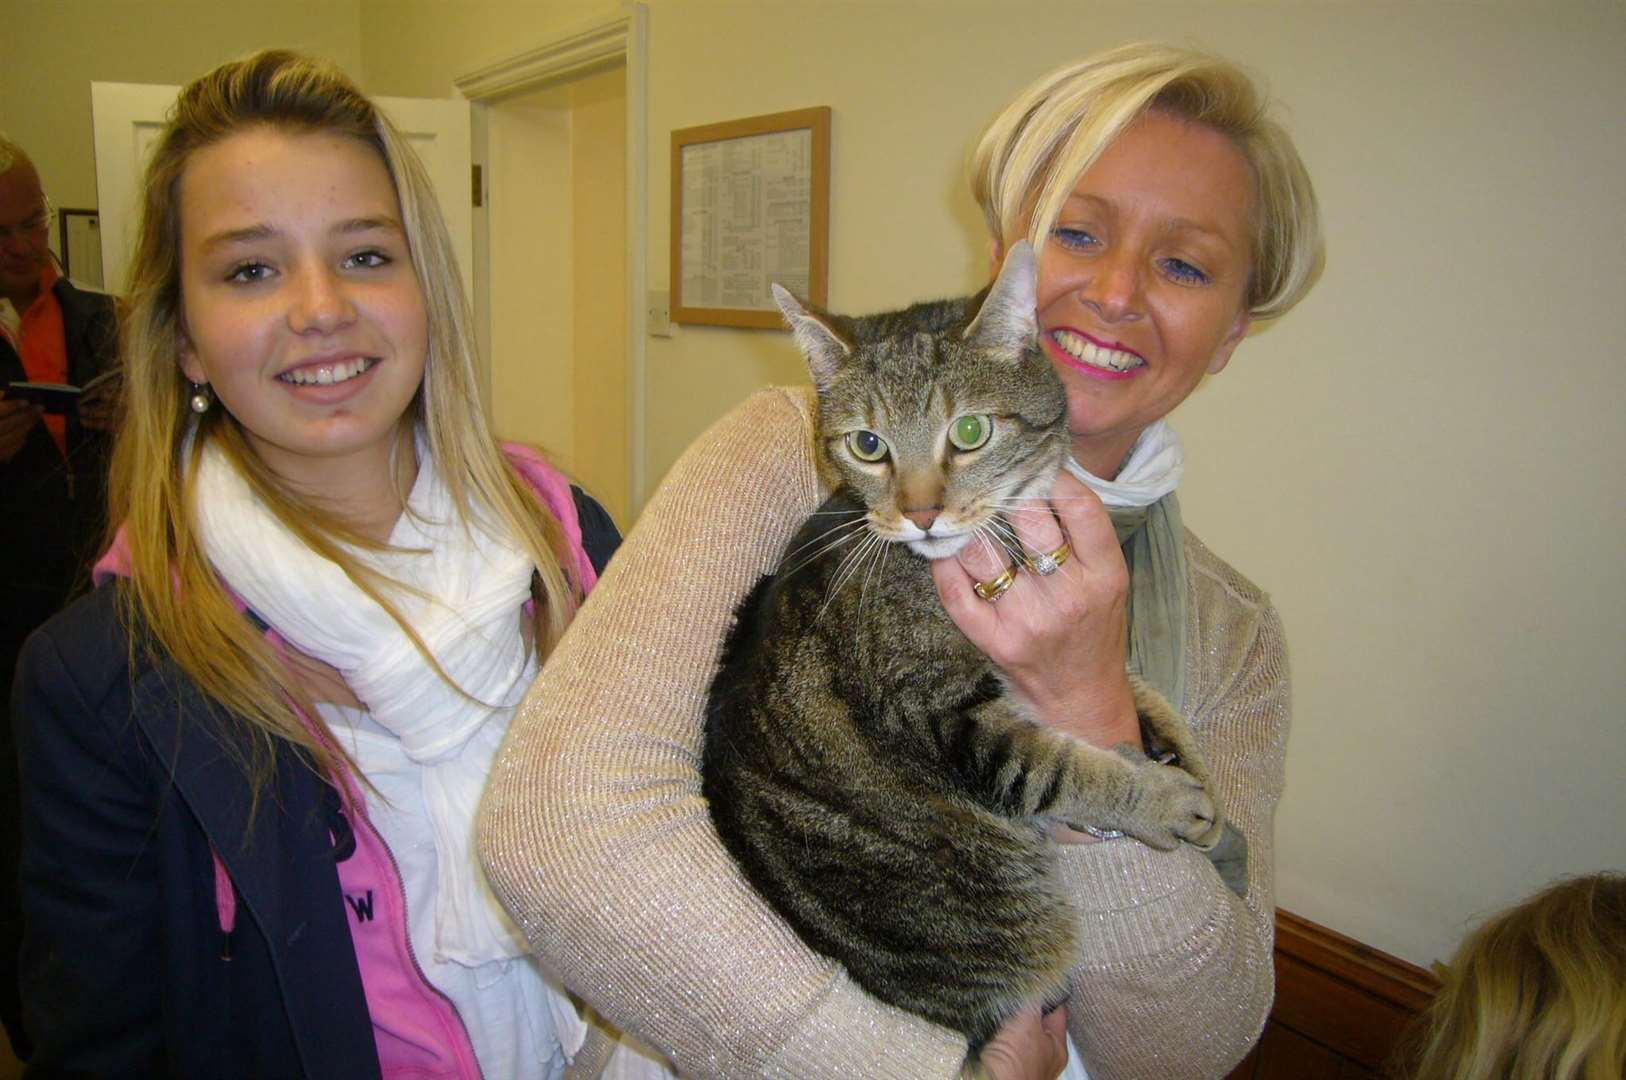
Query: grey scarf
[(1154, 546)]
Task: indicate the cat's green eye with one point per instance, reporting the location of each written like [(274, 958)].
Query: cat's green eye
[(970, 432), (866, 445)]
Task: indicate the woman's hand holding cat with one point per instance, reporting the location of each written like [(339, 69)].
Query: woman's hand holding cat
[(1028, 1046), (1061, 639)]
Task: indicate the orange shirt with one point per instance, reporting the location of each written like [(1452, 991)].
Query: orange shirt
[(45, 348)]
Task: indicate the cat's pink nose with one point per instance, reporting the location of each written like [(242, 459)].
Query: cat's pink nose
[(924, 518)]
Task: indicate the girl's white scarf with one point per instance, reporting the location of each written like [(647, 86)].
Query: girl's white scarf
[(464, 590)]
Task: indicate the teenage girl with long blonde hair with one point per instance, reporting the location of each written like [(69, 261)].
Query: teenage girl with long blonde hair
[(252, 757)]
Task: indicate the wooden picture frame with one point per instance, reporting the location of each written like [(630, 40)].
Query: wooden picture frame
[(771, 174)]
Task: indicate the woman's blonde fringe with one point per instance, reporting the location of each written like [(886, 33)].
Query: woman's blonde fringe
[(1028, 160)]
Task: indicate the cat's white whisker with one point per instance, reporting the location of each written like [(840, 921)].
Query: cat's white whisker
[(1036, 501), (825, 542), (858, 554), (834, 538), (1003, 531), (977, 537), (850, 564), (813, 557), (1008, 505), (877, 566), (842, 534), (1004, 536)]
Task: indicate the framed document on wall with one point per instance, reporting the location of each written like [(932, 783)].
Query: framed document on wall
[(750, 208)]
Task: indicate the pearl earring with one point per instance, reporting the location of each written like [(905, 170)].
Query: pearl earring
[(201, 398)]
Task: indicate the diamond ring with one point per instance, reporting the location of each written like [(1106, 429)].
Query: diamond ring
[(1049, 562)]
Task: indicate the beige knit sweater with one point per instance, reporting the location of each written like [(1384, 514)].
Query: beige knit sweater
[(595, 834)]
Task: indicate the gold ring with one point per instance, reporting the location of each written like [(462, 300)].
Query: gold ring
[(993, 590), (1049, 562)]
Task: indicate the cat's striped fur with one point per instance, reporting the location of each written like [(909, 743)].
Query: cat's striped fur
[(864, 761)]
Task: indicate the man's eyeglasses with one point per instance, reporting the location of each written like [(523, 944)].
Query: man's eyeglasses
[(34, 223)]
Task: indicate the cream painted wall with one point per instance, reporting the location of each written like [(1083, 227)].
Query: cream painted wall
[(54, 50), (1421, 464), (418, 47)]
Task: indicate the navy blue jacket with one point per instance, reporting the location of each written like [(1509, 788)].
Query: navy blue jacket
[(125, 970)]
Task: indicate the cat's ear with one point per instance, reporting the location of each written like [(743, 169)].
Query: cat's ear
[(1008, 323), (823, 347)]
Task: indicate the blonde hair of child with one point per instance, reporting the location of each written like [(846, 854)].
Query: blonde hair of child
[(1537, 992), (1029, 159), (173, 601)]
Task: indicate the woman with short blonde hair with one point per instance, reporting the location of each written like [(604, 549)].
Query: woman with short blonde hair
[(1166, 213)]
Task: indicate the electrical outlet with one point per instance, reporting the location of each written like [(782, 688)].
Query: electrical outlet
[(660, 314)]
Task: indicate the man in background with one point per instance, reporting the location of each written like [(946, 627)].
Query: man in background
[(53, 475)]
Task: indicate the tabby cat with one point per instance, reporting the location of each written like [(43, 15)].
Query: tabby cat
[(867, 765)]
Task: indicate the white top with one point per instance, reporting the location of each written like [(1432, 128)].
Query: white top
[(505, 1004)]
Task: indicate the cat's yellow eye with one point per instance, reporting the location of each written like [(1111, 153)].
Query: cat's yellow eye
[(970, 432), (866, 445)]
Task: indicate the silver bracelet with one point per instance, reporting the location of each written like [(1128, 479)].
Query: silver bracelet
[(1105, 834)]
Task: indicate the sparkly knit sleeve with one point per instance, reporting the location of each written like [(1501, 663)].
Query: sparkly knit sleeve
[(1175, 977), (594, 831)]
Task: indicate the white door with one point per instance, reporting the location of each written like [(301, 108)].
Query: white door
[(563, 247), (129, 117), (557, 285)]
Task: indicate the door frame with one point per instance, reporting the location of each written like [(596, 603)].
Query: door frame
[(621, 38)]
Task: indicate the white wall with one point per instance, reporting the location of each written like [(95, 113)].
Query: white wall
[(553, 381), (599, 158)]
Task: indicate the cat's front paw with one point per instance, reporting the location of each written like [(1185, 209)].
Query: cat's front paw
[(1169, 805)]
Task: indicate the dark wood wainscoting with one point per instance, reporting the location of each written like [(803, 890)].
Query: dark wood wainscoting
[(1341, 1007)]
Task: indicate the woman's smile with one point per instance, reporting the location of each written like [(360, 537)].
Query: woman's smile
[(1090, 355)]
